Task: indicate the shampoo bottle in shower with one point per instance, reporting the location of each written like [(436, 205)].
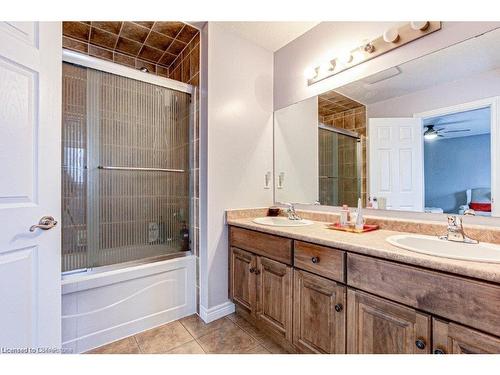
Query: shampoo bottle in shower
[(184, 237), (161, 227)]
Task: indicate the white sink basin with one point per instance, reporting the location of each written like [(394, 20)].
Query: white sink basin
[(280, 221), (481, 252)]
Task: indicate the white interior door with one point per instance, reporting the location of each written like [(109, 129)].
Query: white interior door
[(396, 162), (30, 184)]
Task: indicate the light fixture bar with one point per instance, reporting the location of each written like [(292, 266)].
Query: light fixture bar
[(392, 39)]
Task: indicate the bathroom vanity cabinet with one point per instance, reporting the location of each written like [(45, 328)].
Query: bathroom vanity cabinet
[(317, 299)]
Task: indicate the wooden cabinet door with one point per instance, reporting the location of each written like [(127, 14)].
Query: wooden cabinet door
[(274, 296), (378, 326), (318, 314), (452, 338), (242, 282)]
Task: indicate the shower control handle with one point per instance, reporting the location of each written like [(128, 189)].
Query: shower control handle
[(45, 223)]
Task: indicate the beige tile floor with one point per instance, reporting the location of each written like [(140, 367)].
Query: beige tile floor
[(190, 335)]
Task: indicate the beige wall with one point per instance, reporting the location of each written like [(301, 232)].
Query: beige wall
[(236, 146)]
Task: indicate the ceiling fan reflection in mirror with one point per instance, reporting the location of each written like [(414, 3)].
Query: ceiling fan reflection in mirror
[(432, 133)]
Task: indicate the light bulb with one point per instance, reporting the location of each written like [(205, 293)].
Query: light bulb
[(391, 35), (430, 136), (326, 67), (357, 56), (419, 25), (345, 58), (310, 73)]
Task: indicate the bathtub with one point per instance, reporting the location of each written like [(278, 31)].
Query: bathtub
[(111, 303)]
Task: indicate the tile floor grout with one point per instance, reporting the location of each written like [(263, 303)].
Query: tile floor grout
[(194, 338), (137, 343), (250, 334)]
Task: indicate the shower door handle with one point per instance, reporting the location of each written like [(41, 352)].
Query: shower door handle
[(45, 223)]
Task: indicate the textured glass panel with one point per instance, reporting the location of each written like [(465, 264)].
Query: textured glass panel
[(132, 214), (339, 181)]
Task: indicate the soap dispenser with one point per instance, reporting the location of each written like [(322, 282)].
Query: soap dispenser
[(344, 216)]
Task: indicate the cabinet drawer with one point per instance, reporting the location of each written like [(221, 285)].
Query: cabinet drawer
[(321, 260), (470, 302), (452, 338), (273, 247)]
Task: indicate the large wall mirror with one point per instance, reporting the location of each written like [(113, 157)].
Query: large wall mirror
[(422, 136)]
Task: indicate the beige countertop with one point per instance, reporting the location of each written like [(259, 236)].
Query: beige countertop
[(375, 244)]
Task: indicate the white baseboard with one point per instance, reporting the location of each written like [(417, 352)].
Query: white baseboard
[(213, 313)]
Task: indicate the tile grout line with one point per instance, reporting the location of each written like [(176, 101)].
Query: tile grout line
[(256, 338), (258, 342), (194, 338), (137, 343)]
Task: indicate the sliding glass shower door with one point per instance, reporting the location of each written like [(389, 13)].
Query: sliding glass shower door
[(339, 167), (126, 186)]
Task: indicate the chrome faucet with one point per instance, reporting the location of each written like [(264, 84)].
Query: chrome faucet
[(455, 231), (290, 210)]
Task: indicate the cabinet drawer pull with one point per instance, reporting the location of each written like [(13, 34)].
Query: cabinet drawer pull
[(420, 344), (439, 351), (315, 260), (338, 307), (252, 270), (256, 271)]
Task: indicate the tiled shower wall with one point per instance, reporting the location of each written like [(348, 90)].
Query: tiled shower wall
[(354, 120)]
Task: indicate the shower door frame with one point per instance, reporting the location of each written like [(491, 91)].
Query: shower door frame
[(124, 71)]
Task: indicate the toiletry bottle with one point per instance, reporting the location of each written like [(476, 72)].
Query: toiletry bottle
[(359, 217), (184, 237), (161, 228), (344, 216)]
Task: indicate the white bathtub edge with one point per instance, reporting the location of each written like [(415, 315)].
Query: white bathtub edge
[(133, 317)]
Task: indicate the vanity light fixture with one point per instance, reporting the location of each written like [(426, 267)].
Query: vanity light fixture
[(391, 39)]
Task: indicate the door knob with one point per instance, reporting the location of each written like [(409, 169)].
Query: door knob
[(45, 223)]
